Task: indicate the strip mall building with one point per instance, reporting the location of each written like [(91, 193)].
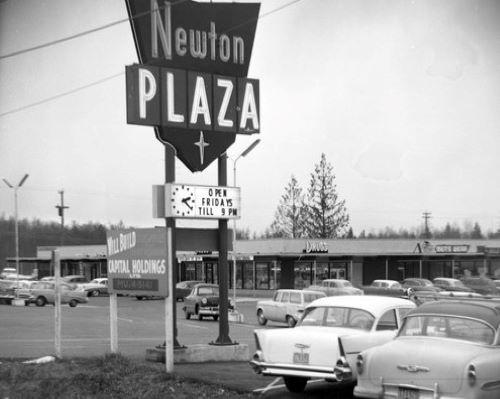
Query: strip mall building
[(297, 263)]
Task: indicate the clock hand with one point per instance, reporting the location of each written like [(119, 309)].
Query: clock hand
[(186, 202)]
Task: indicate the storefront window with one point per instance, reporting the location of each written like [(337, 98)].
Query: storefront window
[(248, 276), (302, 275), (190, 271), (275, 276), (338, 270), (262, 276), (211, 273), (321, 273)]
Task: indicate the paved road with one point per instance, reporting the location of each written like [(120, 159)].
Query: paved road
[(28, 332)]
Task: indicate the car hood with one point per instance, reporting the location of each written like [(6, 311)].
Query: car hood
[(321, 343), (423, 361)]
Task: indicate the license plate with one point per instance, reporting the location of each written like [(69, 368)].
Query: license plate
[(301, 357), (408, 393)]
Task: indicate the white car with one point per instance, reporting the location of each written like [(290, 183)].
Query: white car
[(286, 306), (98, 286), (325, 342)]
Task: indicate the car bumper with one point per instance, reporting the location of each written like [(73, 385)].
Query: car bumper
[(292, 370), (208, 311)]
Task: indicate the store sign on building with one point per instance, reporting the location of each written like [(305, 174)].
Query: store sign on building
[(136, 262), (462, 248), (192, 82), (315, 247), (202, 202)]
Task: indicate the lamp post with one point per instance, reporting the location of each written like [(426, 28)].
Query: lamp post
[(243, 154), (16, 225)]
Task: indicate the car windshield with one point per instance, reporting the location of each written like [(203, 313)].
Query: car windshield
[(213, 291), (332, 316), (448, 327)]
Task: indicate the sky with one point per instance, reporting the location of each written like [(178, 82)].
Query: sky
[(403, 97)]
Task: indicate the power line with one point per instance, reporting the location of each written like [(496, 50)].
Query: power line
[(111, 24), (13, 111)]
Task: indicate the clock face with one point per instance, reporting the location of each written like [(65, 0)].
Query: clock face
[(183, 200)]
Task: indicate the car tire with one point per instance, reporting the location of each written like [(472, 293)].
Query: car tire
[(94, 293), (290, 321), (73, 303), (139, 298), (200, 317), (40, 301), (295, 384), (187, 314), (216, 317), (260, 318)]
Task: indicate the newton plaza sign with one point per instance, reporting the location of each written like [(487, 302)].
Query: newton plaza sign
[(191, 83)]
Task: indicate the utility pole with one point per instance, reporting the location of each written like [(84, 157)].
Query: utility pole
[(426, 216), (60, 211)]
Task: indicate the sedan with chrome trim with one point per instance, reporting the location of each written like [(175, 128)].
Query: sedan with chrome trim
[(444, 350), (326, 340)]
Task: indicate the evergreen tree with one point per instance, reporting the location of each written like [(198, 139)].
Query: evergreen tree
[(289, 216), (326, 214), (476, 232)]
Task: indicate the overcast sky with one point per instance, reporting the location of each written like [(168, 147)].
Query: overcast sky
[(403, 97)]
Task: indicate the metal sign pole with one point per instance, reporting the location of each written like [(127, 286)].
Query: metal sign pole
[(113, 322), (169, 326), (57, 311)]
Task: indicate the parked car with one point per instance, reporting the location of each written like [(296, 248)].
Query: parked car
[(43, 292), (419, 284), (497, 284), (6, 271), (7, 290), (98, 286), (203, 300), (326, 340), (387, 288), (286, 306), (481, 285), (336, 287), (184, 288), (445, 349), (75, 279), (451, 284)]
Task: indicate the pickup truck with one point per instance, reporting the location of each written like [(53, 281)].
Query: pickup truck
[(388, 288), (333, 287)]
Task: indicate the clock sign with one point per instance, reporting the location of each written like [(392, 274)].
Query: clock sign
[(202, 202), (182, 200)]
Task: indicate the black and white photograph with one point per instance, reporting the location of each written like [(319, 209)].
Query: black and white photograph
[(244, 199)]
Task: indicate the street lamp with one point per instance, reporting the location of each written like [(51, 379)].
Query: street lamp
[(16, 225), (243, 154)]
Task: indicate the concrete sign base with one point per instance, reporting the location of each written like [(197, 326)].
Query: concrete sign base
[(202, 353)]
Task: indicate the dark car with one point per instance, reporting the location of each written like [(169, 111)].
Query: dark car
[(420, 284), (202, 301), (184, 288), (481, 285), (7, 290)]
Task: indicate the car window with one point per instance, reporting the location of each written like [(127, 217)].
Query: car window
[(346, 284), (448, 327), (295, 297), (312, 297), (277, 296), (208, 291), (387, 321), (338, 317), (285, 297)]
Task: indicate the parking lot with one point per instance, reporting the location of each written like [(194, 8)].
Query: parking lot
[(28, 332)]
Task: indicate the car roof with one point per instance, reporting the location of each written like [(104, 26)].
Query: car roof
[(445, 279), (486, 310), (386, 281), (372, 303), (206, 285)]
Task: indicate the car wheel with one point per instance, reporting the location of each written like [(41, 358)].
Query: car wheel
[(260, 317), (139, 298), (94, 293), (216, 317), (40, 301), (187, 314), (73, 303), (295, 384), (197, 310), (290, 321)]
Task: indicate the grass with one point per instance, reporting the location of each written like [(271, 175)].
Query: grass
[(110, 376)]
